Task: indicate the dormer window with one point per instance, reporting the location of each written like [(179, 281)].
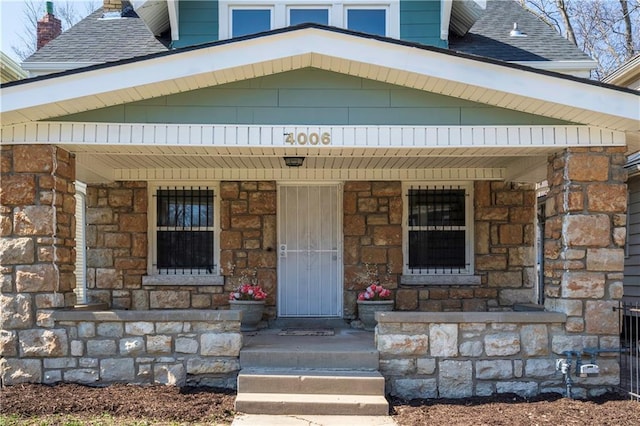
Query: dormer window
[(244, 17)]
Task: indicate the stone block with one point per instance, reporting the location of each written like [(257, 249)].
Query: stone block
[(120, 197), (18, 190), (406, 300), (565, 306), (117, 240), (22, 371), (220, 344), (101, 348), (581, 285), (85, 376), (33, 220), (588, 167), (397, 367), (386, 189), (574, 325), (49, 300), (494, 369), (510, 234), (498, 214), (77, 348), (389, 235), (425, 365), (8, 343), (471, 348), (444, 340), (607, 198), (16, 251), (139, 328), (212, 366), (170, 374), (414, 388), (455, 379), (108, 278), (169, 299), (534, 340), (523, 389), (170, 327), (132, 346), (86, 329), (262, 259), (587, 230), (88, 362), (186, 345), (354, 225), (52, 376), (491, 262), (58, 363), (511, 279), (159, 344), (601, 317), (110, 329), (133, 222), (605, 259), (36, 278), (229, 190), (16, 312), (561, 343), (374, 255), (510, 297), (99, 258), (43, 343), (400, 344), (117, 370), (502, 344), (540, 368), (616, 290), (263, 202)]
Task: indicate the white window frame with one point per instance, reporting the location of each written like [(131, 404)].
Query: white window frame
[(280, 12), (290, 7), (152, 249), (386, 9), (469, 228)]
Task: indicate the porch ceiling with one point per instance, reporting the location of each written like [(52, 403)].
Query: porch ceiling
[(104, 163)]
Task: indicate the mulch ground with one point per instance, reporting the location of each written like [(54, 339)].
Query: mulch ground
[(165, 404)]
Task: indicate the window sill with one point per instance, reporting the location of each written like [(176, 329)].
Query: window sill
[(440, 280), (183, 280)]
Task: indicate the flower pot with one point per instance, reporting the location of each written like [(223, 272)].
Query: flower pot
[(251, 313), (367, 310)]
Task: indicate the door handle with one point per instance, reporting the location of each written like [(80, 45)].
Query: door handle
[(283, 250)]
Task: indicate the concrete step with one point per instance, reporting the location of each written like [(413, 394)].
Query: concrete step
[(260, 380), (316, 358), (311, 404)]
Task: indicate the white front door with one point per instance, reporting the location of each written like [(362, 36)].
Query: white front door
[(309, 251)]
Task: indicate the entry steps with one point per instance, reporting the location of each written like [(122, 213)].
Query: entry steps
[(311, 392), (310, 375)]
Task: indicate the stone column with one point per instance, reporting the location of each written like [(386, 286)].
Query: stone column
[(37, 254), (583, 248)]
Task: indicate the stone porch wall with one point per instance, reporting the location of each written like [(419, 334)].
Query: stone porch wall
[(457, 355), (99, 348), (248, 239), (372, 239)]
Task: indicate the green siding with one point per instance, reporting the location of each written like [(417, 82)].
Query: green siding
[(309, 96), (198, 22), (420, 22)]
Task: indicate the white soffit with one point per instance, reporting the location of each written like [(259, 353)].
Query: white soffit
[(395, 63)]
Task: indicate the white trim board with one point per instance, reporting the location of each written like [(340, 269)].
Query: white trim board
[(210, 135)]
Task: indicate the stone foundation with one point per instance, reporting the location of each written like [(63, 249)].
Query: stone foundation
[(458, 355), (197, 348)]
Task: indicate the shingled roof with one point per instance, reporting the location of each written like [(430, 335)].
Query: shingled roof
[(96, 40), (490, 37)]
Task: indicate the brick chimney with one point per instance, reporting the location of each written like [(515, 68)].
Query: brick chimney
[(49, 27), (112, 6)]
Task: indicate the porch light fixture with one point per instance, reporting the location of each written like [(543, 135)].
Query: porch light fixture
[(293, 161)]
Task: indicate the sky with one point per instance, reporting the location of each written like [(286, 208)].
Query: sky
[(11, 22)]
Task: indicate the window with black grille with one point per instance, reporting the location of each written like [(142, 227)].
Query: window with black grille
[(437, 229), (185, 231)]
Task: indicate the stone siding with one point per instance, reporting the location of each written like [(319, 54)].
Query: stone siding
[(584, 242), (459, 355), (248, 239), (196, 348), (116, 239), (372, 239)]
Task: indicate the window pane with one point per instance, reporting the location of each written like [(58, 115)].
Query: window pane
[(185, 250), (440, 250), (370, 21), (301, 16), (185, 208), (436, 207), (250, 21)]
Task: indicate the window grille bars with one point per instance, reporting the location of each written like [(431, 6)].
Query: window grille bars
[(437, 229), (185, 231)]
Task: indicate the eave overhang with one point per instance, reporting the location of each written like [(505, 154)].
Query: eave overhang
[(396, 62)]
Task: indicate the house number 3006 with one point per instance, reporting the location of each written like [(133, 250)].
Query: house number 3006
[(307, 138)]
